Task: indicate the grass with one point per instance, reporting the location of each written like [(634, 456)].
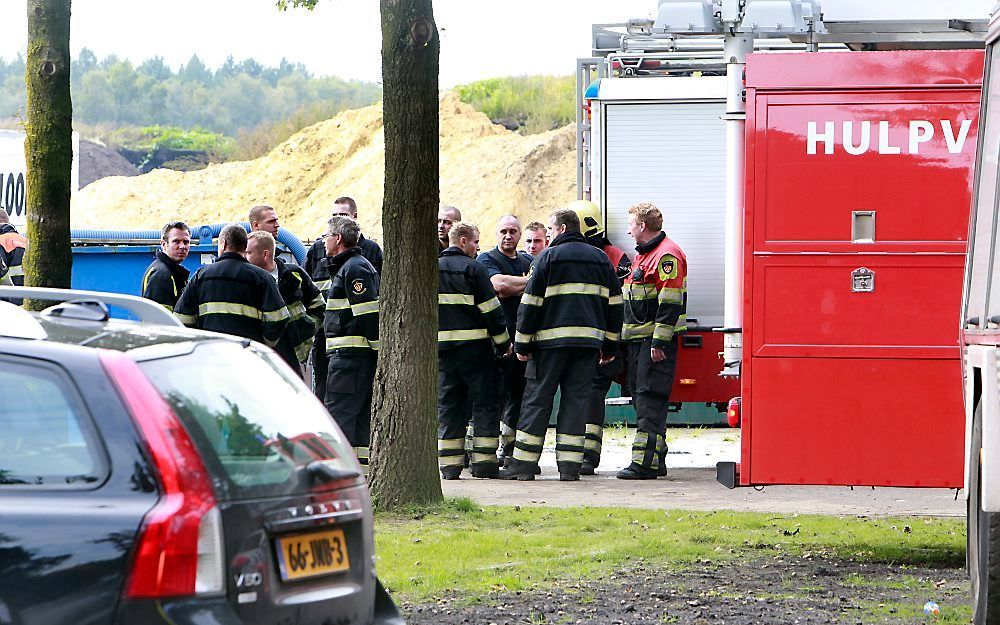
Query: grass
[(468, 550), (536, 103)]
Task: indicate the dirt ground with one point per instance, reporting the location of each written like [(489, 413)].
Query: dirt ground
[(775, 589)]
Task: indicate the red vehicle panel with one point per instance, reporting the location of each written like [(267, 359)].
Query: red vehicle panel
[(859, 179), (699, 361)]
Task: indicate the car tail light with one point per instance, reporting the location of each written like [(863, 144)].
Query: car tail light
[(179, 549), (733, 412)]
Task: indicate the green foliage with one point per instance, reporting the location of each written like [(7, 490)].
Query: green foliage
[(171, 137), (472, 550), (237, 95), (534, 103)]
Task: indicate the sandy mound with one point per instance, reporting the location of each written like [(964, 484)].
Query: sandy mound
[(486, 171)]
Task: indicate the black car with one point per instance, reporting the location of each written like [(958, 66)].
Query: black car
[(152, 474)]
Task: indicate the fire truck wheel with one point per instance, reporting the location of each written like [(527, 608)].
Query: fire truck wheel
[(983, 542)]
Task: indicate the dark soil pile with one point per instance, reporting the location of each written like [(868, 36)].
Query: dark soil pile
[(97, 161), (780, 590)]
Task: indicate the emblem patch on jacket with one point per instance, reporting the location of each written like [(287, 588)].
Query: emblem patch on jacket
[(358, 287), (668, 268)]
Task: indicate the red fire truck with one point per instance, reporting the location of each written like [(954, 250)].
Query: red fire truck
[(981, 344), (858, 181)]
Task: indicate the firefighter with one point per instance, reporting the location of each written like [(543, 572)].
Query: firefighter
[(264, 218), (593, 231), (306, 305), (508, 271), (232, 296), (471, 335), (351, 329), (536, 238), (655, 304), (165, 278), (447, 216), (12, 247), (570, 318), (315, 266)]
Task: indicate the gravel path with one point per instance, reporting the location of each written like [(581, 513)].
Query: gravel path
[(778, 590)]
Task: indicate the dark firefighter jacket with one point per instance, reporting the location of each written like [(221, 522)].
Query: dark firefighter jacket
[(656, 293), (164, 281), (234, 297), (12, 246), (468, 309), (351, 320), (315, 263), (572, 299), (306, 306)]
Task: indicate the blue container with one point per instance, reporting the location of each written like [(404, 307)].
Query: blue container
[(116, 261)]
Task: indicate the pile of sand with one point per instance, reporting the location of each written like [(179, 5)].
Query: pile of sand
[(486, 171)]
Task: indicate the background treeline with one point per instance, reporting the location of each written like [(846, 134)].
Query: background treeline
[(185, 118), (245, 101)]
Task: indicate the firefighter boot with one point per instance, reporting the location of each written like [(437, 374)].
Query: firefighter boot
[(568, 471), (485, 470), (661, 452), (452, 472), (519, 470), (592, 449), (644, 456)]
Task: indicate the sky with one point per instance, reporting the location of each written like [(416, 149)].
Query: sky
[(479, 38)]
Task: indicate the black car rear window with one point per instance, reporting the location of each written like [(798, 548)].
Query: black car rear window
[(255, 423)]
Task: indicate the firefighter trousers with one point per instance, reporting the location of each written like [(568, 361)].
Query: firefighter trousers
[(468, 376), (571, 370), (512, 373), (650, 384), (606, 375), (349, 385), (320, 365)]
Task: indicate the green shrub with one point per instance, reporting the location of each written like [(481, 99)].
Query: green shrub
[(533, 103)]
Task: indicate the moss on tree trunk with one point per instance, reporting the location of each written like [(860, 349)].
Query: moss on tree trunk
[(404, 463), (49, 145)]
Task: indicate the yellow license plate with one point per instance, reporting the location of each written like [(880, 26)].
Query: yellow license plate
[(316, 553)]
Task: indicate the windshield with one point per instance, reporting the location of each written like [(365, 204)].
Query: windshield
[(254, 422)]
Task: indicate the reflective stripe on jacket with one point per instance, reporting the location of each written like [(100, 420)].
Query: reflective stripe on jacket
[(164, 281), (234, 297), (656, 293), (572, 298), (12, 246), (351, 320), (468, 309), (306, 307)]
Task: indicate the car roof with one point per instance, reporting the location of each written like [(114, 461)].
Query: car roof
[(116, 334)]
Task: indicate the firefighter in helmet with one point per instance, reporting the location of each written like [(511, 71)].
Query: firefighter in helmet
[(655, 313), (592, 226)]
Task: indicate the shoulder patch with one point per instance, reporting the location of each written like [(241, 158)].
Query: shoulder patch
[(358, 287), (667, 267)]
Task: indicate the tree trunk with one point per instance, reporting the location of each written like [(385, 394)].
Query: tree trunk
[(404, 451), (49, 145)]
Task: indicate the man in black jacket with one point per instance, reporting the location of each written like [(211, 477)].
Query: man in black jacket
[(570, 317), (232, 296), (306, 305), (315, 266), (351, 329), (470, 327), (165, 278), (508, 270)]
